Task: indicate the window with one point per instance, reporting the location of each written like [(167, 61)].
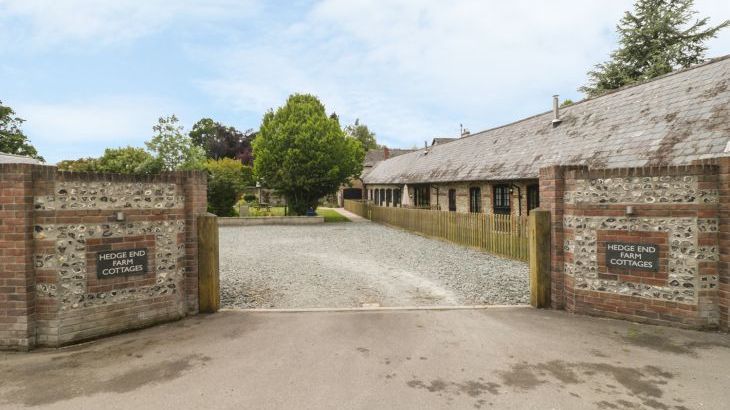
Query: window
[(533, 197), (388, 197), (421, 196), (377, 197), (370, 194), (475, 199), (396, 197), (452, 200), (501, 199), (382, 196)]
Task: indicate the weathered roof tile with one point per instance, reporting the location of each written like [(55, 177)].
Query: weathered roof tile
[(673, 119)]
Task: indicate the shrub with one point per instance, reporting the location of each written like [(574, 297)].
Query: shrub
[(125, 160), (226, 178)]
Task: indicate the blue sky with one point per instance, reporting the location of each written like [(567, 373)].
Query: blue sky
[(90, 74)]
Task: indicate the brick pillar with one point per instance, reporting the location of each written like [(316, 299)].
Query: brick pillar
[(708, 296), (195, 185), (17, 301), (552, 189), (723, 182), (47, 308)]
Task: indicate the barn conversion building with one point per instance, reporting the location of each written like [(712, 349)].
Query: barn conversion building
[(354, 189), (671, 120), (646, 167)]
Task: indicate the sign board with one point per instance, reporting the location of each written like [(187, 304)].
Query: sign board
[(110, 264), (635, 256)]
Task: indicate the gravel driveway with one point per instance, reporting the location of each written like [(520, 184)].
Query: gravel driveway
[(359, 264)]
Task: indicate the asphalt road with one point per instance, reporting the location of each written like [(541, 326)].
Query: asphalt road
[(516, 358)]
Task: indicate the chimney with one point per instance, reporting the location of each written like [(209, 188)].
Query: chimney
[(465, 133), (386, 153), (556, 110)]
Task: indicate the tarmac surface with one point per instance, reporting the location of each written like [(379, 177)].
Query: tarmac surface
[(498, 357)]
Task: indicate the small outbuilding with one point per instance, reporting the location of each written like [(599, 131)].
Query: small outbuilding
[(16, 159)]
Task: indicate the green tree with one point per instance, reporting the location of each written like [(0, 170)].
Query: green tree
[(220, 141), (658, 37), (12, 139), (303, 153), (173, 150), (227, 178), (79, 165), (124, 160), (203, 131), (362, 133)]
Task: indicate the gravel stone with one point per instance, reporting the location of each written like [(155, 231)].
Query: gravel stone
[(359, 264)]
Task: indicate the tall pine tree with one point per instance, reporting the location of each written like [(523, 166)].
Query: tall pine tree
[(659, 36)]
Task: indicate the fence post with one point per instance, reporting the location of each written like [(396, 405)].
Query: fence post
[(208, 273), (539, 235)]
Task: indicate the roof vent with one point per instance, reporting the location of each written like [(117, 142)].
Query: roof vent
[(556, 111), (464, 132)]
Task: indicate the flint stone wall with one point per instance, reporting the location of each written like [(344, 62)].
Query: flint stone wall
[(68, 219), (675, 208)]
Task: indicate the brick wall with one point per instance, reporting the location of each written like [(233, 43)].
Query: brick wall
[(552, 188), (678, 209), (17, 301), (52, 224), (723, 179), (195, 189)]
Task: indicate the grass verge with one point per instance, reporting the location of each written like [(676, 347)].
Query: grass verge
[(330, 215)]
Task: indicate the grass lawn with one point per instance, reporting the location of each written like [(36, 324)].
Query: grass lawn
[(274, 211), (330, 215)]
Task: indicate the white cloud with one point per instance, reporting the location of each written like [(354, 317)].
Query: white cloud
[(70, 129), (410, 69), (106, 119), (80, 23), (416, 69)]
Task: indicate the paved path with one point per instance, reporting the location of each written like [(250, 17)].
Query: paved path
[(349, 215), (500, 358)]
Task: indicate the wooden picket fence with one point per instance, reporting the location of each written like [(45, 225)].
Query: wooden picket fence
[(499, 234), (357, 207)]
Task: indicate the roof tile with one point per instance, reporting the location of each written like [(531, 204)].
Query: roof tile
[(673, 119)]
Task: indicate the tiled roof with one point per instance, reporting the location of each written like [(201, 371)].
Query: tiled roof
[(374, 156), (673, 119), (442, 140), (16, 159)]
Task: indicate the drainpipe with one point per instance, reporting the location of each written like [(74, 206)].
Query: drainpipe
[(519, 199), (437, 197)]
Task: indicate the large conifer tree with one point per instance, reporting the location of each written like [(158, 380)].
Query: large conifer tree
[(657, 37)]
